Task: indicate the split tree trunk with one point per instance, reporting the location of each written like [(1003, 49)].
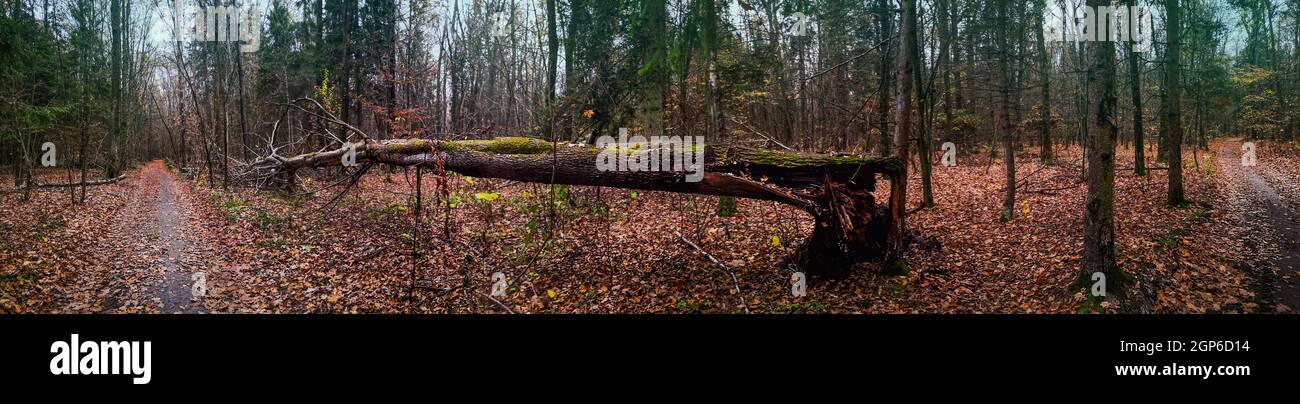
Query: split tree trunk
[(835, 190)]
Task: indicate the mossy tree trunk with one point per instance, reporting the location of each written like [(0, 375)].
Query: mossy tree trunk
[(834, 189)]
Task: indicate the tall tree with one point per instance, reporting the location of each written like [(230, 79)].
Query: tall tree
[(1135, 87), (118, 33), (1172, 124), (1005, 127), (710, 41), (923, 123), (552, 53), (902, 134), (1045, 74), (1099, 205), (886, 22)]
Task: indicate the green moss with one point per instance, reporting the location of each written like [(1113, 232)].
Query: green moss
[(795, 160), (1118, 283), (721, 152), (625, 148), (1090, 305), (501, 145), (897, 266), (415, 145)]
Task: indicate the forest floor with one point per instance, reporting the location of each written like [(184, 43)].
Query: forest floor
[(1265, 198), (137, 245), (138, 256)]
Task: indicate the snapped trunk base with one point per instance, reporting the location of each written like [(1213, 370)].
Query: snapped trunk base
[(851, 230)]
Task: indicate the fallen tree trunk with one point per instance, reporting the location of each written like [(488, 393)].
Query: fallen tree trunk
[(834, 189), (39, 186), (77, 184)]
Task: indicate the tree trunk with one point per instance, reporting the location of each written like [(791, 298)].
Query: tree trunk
[(1045, 69), (1005, 126), (33, 185), (923, 132), (1173, 124), (717, 125), (835, 190), (116, 17), (552, 53), (886, 74), (570, 65), (902, 131), (1099, 205), (1135, 85), (946, 33), (245, 145)]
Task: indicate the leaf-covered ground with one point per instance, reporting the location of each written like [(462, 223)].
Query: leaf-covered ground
[(132, 249), (590, 250)]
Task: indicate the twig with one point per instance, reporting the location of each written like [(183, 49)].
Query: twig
[(1052, 191), (760, 133), (850, 60), (498, 302), (735, 282), (914, 210)]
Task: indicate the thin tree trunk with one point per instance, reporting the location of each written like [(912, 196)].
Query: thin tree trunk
[(902, 131), (1045, 156), (886, 75), (1173, 125), (1005, 126), (553, 48), (116, 79), (922, 124), (1135, 87)]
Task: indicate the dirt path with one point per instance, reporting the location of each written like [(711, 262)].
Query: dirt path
[(1270, 224), (159, 259)]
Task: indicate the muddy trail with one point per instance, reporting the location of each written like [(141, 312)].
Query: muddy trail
[(1269, 225)]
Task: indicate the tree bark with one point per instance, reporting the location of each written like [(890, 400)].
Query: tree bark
[(1135, 85), (552, 53), (115, 7), (1005, 126), (923, 132), (886, 74), (1045, 69), (1099, 205), (1173, 123), (902, 141)]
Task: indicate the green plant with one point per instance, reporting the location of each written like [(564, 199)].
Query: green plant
[(726, 206), (266, 219), (232, 209), (688, 306), (388, 211), (234, 206)]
